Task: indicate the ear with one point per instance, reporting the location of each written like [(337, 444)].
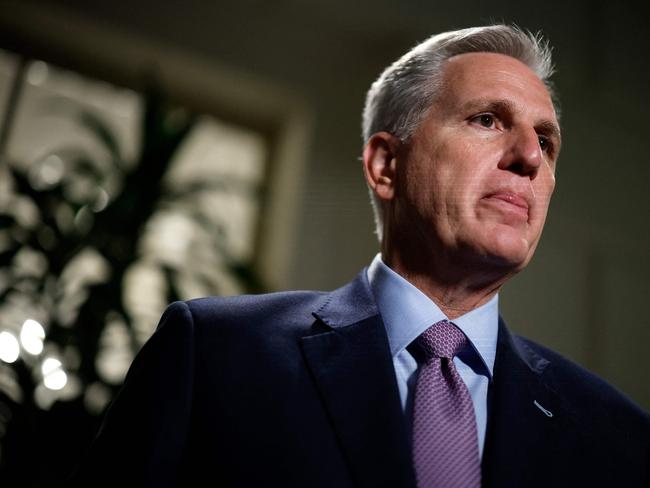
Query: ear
[(380, 164)]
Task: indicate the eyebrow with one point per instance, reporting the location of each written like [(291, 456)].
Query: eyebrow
[(546, 127)]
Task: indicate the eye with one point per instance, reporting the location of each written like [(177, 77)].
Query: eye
[(485, 120), (545, 144)]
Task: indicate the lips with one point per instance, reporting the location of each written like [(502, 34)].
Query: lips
[(510, 202), (511, 198)]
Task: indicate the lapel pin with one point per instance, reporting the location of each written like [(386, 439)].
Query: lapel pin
[(548, 413)]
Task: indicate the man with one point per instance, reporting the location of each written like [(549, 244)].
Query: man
[(406, 376)]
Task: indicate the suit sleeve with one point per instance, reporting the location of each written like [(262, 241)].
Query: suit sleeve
[(142, 439)]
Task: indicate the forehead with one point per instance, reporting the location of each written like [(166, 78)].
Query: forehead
[(495, 76)]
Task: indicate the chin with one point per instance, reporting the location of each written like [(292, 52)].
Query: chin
[(507, 249)]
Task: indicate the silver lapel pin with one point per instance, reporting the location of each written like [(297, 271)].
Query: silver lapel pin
[(548, 413)]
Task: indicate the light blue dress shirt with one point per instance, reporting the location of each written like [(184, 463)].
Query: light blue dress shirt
[(407, 312)]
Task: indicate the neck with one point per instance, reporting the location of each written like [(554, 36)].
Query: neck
[(455, 289)]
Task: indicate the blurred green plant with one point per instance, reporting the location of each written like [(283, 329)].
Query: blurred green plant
[(70, 228)]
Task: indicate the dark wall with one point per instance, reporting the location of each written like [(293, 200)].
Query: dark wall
[(585, 292)]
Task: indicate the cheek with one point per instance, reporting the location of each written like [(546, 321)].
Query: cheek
[(418, 179), (544, 188), (470, 174), (445, 175)]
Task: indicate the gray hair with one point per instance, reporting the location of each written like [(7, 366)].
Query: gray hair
[(401, 97)]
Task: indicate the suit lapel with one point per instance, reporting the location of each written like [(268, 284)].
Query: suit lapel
[(527, 419), (350, 361)]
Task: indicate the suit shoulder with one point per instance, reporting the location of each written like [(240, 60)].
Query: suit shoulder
[(587, 388), (255, 304), (280, 310)]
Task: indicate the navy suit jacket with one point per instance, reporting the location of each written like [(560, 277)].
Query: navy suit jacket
[(298, 389)]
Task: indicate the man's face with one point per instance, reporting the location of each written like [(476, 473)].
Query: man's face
[(477, 176)]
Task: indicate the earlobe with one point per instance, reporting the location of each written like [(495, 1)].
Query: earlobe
[(380, 164)]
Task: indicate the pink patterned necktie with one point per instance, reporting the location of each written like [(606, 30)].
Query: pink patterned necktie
[(445, 442)]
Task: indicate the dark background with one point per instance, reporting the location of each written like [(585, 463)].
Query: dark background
[(298, 70)]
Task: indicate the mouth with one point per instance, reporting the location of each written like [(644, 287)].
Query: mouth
[(509, 202)]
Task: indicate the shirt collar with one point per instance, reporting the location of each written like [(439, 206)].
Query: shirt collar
[(407, 312)]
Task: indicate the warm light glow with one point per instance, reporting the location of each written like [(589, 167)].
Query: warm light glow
[(101, 200), (37, 73), (54, 378), (47, 173), (31, 337), (9, 348), (52, 170)]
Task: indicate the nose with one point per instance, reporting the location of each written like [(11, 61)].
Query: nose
[(523, 154)]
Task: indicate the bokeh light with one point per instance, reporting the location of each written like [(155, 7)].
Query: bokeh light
[(9, 347), (54, 378), (37, 73), (31, 336)]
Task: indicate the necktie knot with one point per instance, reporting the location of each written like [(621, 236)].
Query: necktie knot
[(442, 340)]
